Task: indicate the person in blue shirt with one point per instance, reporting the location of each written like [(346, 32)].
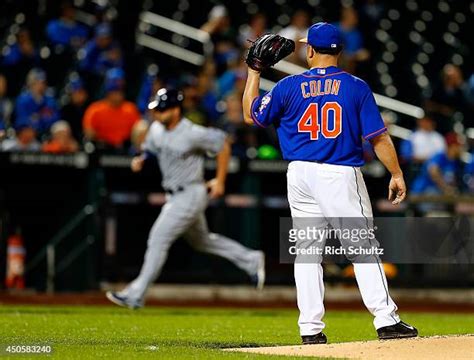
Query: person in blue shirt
[(22, 50), (66, 30), (114, 80), (348, 27), (321, 116), (441, 174), (232, 79), (101, 53), (423, 143), (35, 105), (354, 51)]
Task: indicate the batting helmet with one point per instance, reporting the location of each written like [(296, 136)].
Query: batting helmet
[(166, 99)]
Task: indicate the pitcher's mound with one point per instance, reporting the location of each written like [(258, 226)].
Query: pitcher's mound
[(436, 347)]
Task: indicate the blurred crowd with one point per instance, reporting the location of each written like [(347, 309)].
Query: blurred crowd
[(88, 108)]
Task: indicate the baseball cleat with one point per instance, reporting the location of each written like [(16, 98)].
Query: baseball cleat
[(259, 277), (314, 339), (121, 300), (400, 330)]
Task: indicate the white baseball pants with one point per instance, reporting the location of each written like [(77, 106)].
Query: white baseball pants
[(183, 214), (333, 191)]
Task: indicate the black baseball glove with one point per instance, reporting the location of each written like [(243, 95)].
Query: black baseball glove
[(267, 50)]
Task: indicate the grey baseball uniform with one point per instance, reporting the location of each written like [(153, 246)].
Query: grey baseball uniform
[(180, 154)]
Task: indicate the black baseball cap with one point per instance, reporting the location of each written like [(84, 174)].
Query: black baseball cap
[(166, 99)]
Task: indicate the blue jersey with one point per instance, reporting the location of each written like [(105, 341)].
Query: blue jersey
[(66, 33), (98, 60), (38, 113), (450, 170), (321, 115)]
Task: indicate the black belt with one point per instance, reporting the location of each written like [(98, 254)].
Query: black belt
[(174, 191)]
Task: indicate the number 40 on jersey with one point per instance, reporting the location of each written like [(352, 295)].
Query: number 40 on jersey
[(314, 121)]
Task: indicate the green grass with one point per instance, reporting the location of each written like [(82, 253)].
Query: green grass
[(176, 333)]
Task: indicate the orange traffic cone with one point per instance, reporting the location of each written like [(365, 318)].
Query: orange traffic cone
[(15, 262)]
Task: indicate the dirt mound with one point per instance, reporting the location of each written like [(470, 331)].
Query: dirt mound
[(436, 347)]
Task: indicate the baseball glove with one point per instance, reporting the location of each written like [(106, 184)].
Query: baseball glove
[(267, 50)]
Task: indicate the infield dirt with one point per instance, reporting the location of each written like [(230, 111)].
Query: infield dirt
[(433, 348)]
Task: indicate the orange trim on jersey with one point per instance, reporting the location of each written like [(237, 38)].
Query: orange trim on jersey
[(322, 76), (382, 130)]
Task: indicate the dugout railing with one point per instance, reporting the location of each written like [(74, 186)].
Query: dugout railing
[(55, 266)]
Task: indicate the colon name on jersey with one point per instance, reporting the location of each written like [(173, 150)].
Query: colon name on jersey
[(321, 115), (315, 88)]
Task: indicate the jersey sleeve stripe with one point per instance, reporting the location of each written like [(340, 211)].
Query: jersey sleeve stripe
[(375, 133), (253, 115)]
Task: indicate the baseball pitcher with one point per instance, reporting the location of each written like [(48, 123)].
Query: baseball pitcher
[(321, 116), (180, 147)]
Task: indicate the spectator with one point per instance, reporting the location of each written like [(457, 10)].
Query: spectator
[(451, 98), (5, 105), (233, 116), (207, 92), (25, 139), (109, 121), (21, 51), (218, 24), (442, 174), (233, 79), (423, 143), (66, 31), (223, 37), (36, 105), (192, 108), (253, 30), (75, 107), (354, 51), (61, 139), (242, 137), (101, 53), (17, 59), (297, 30)]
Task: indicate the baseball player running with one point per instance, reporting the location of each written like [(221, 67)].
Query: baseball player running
[(180, 147), (321, 116)]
